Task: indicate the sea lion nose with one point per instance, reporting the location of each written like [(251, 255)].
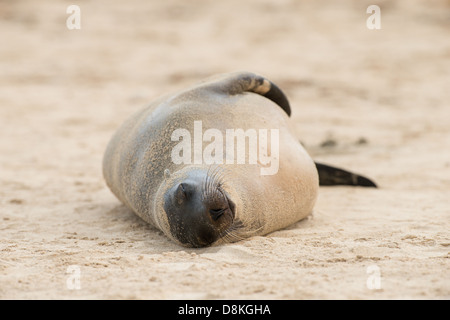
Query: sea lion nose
[(201, 208), (197, 212)]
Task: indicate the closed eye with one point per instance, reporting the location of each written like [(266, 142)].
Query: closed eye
[(216, 213)]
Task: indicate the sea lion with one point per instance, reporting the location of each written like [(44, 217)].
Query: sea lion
[(227, 190)]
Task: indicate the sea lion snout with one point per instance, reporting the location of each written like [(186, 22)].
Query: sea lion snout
[(198, 211)]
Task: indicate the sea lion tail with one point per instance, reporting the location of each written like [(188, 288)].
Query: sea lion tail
[(240, 82), (332, 176)]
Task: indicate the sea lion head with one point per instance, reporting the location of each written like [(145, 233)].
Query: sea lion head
[(196, 208)]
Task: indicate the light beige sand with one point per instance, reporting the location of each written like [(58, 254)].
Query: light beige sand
[(381, 95)]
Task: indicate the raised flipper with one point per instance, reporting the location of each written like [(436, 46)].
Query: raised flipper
[(241, 82), (332, 176)]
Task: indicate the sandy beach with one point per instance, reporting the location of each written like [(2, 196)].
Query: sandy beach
[(373, 101)]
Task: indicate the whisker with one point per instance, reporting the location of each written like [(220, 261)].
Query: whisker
[(215, 175), (229, 235), (232, 237), (205, 184), (212, 181), (208, 180)]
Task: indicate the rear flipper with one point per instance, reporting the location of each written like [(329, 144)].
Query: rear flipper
[(331, 176)]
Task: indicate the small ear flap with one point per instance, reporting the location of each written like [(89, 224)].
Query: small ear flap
[(239, 82)]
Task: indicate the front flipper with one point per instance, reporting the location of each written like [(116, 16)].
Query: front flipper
[(332, 176)]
